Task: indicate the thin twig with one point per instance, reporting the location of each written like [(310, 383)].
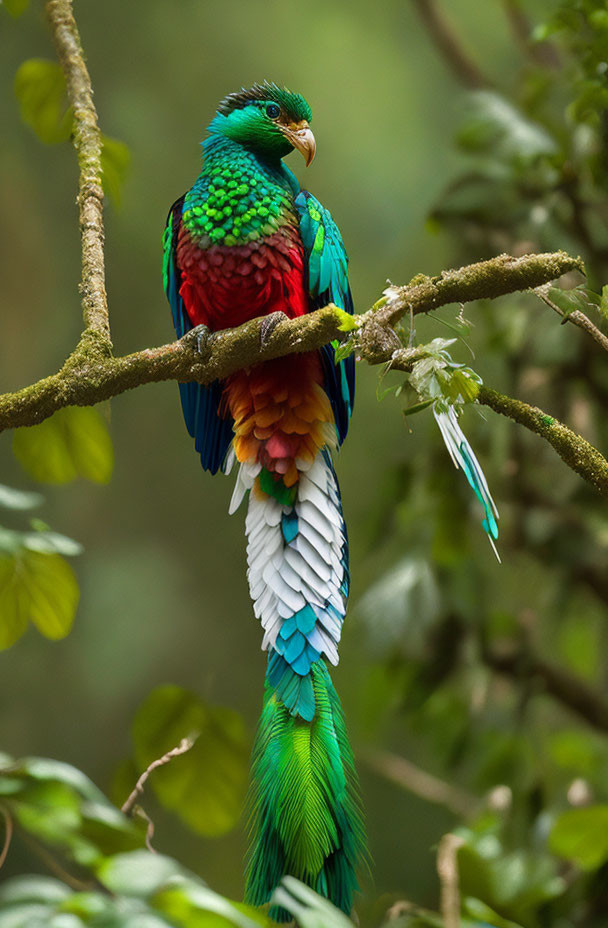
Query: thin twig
[(577, 317), (55, 867), (446, 40), (137, 810), (521, 663), (185, 745), (8, 834), (88, 144), (405, 907), (541, 53), (423, 784), (447, 871)]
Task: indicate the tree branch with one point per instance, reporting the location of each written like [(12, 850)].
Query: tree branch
[(447, 871), (90, 376), (88, 144), (573, 449), (484, 280), (408, 776), (8, 834), (542, 54), (444, 37), (522, 663), (577, 317), (86, 378)]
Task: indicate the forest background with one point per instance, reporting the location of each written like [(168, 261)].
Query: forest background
[(427, 160)]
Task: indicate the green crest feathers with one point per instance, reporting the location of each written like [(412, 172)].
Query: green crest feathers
[(294, 104)]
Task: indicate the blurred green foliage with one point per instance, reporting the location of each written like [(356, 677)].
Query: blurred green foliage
[(74, 442), (119, 883), (445, 655), (36, 583), (206, 787), (40, 90)]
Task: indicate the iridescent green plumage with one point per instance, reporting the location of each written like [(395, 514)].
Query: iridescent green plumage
[(234, 203), (245, 241), (305, 815)]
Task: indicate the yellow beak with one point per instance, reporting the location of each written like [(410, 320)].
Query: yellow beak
[(301, 137)]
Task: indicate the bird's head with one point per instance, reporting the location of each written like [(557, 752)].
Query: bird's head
[(267, 119)]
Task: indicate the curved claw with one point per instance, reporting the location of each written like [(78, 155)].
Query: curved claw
[(198, 337), (269, 324)]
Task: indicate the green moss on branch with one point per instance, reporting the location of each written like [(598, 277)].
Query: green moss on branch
[(485, 280), (87, 142), (573, 449)]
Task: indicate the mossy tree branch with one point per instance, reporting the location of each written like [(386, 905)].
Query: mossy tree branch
[(579, 454), (573, 449), (87, 142), (88, 377)]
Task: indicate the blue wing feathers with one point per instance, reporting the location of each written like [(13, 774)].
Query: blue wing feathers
[(201, 405), (328, 283)]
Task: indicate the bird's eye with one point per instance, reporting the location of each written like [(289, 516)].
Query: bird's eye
[(273, 110)]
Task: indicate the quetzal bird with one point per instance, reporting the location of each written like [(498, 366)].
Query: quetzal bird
[(247, 241)]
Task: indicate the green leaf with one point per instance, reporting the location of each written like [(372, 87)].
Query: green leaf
[(578, 752), (417, 407), (494, 124), (10, 541), (115, 163), (40, 90), (28, 915), (18, 499), (138, 873), (485, 915), (44, 769), (205, 786), (53, 591), (513, 883), (603, 304), (348, 323), (61, 807), (578, 643), (93, 907), (41, 540), (49, 811), (343, 350), (172, 890), (308, 908), (51, 543), (581, 836), (15, 8), (193, 905), (402, 608), (461, 386), (580, 298), (73, 442), (40, 588), (33, 889)]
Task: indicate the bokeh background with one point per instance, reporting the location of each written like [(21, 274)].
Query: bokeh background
[(163, 589)]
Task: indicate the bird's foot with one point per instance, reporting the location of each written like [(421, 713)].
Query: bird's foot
[(269, 324), (197, 338)]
